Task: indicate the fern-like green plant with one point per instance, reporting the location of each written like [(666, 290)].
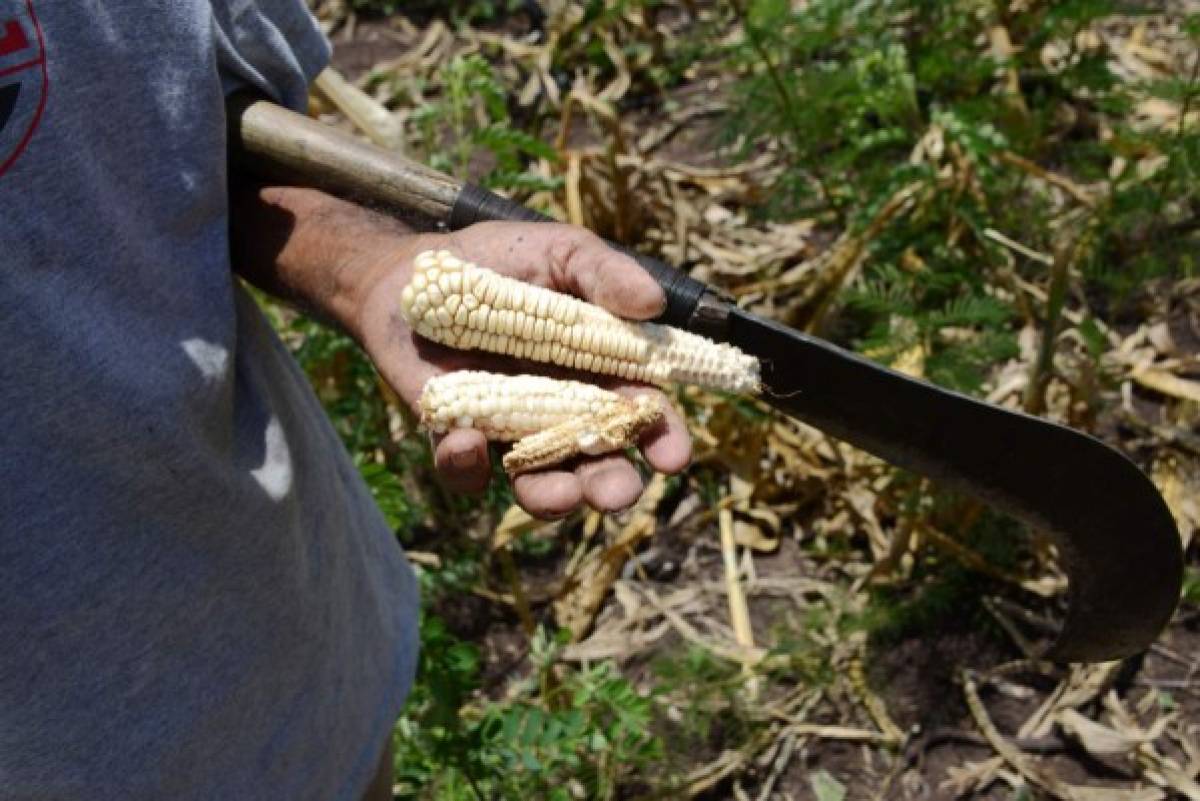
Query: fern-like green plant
[(846, 89), (471, 123), (579, 738)]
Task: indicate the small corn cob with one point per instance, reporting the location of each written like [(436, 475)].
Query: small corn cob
[(615, 429), (469, 307), (550, 420)]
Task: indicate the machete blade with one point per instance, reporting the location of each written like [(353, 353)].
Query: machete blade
[(1117, 539)]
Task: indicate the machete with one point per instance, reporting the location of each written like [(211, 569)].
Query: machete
[(1116, 537)]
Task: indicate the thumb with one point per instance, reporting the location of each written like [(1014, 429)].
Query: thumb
[(566, 258), (622, 286)]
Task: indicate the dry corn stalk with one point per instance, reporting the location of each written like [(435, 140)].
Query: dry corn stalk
[(550, 420), (468, 307)]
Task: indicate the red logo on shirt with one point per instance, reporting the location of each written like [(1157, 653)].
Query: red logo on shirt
[(23, 79)]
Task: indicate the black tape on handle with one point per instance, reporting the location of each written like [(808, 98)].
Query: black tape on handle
[(476, 204)]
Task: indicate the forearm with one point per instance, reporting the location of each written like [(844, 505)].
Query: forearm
[(313, 250)]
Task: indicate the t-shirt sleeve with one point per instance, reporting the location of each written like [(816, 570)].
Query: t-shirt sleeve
[(274, 46)]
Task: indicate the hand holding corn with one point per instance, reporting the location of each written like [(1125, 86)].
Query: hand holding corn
[(560, 257), (469, 307)]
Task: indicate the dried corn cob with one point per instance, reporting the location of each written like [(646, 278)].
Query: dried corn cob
[(472, 308), (615, 429), (550, 420)]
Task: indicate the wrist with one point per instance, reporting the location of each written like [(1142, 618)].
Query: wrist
[(325, 255), (360, 279)]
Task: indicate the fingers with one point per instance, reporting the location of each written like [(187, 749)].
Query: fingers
[(667, 445), (581, 263), (461, 459), (609, 483), (548, 495), (567, 258)]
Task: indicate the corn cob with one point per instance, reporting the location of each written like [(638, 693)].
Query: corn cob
[(468, 307), (550, 420)]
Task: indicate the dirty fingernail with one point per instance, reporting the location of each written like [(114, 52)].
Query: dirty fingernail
[(464, 459)]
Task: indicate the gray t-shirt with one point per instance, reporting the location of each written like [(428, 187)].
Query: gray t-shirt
[(198, 597)]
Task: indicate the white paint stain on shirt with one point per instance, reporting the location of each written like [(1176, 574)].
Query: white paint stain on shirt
[(210, 359), (275, 475)]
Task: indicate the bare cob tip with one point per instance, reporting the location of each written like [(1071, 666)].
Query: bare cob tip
[(465, 306)]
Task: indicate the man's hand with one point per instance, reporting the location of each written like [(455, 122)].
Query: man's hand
[(351, 265)]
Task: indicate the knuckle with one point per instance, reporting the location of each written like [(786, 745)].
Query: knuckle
[(564, 246)]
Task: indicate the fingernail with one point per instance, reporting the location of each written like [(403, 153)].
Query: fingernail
[(464, 459)]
